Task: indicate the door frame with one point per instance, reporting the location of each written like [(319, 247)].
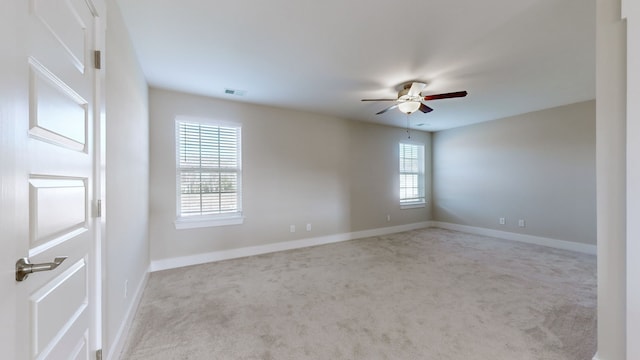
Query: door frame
[(98, 289), (631, 12)]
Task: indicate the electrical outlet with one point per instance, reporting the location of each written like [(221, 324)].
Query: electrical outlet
[(521, 223), (308, 227), (388, 217), (126, 288), (502, 221), (292, 228)]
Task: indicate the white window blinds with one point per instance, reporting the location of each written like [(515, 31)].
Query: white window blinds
[(209, 169), (411, 174)]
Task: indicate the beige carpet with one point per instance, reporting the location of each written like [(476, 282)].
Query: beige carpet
[(424, 294)]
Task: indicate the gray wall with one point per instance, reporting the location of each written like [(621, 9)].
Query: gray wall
[(631, 11), (611, 115), (127, 178), (539, 167), (298, 168), (373, 178)]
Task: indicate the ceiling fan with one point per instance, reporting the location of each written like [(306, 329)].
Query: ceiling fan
[(410, 100)]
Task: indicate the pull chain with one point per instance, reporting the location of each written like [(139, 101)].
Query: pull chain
[(408, 130)]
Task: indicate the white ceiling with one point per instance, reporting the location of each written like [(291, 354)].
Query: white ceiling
[(323, 56)]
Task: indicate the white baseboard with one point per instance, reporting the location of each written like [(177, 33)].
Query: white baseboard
[(177, 262), (172, 263), (121, 336), (595, 357), (530, 239)]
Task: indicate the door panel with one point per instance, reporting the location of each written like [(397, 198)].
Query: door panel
[(59, 114), (58, 306), (55, 150), (66, 22), (58, 211)]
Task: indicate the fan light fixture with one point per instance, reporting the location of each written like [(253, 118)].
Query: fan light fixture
[(409, 107), (410, 98)]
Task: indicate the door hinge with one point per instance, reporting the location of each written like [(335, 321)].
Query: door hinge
[(97, 59), (99, 208), (99, 354)]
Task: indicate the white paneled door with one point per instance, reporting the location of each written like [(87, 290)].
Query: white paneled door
[(48, 177)]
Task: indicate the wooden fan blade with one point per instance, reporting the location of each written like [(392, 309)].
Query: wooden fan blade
[(387, 109), (378, 99), (425, 109), (446, 95)]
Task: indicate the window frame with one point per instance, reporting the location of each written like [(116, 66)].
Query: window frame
[(208, 220), (422, 198)]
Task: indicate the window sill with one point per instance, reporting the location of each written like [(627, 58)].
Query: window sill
[(413, 206), (200, 222)]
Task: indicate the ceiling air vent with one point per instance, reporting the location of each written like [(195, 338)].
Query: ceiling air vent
[(234, 92)]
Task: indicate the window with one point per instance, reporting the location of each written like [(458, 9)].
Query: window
[(208, 173), (411, 175)]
